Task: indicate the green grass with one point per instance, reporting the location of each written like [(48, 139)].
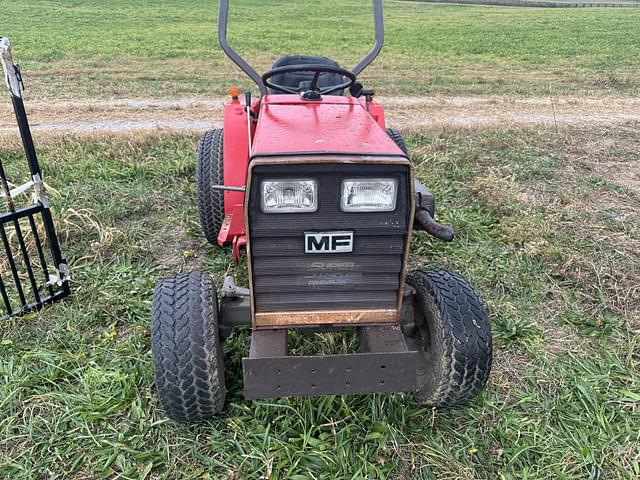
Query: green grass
[(150, 48), (536, 235), (537, 3)]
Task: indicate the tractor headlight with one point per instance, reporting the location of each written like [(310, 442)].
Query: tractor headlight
[(289, 196), (369, 194)]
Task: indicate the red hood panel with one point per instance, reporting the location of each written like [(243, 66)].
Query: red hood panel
[(288, 124)]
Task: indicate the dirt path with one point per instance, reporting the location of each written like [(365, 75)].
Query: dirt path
[(424, 113)]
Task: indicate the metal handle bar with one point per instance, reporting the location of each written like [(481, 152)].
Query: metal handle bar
[(223, 15), (11, 72)]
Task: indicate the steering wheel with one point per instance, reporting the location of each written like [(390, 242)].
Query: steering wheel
[(318, 69)]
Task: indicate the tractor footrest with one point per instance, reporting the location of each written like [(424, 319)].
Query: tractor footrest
[(298, 376)]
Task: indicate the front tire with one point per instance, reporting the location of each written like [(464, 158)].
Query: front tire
[(187, 353), (452, 336)]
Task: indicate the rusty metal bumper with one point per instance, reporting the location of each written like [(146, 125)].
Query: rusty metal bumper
[(384, 365)]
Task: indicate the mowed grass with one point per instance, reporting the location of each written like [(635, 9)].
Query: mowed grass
[(546, 237), (154, 48)]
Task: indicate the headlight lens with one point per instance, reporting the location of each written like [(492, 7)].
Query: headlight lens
[(289, 196), (369, 195)]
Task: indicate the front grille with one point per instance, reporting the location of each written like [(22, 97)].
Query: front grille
[(287, 279)]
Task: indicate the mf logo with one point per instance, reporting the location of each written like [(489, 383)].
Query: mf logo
[(328, 242)]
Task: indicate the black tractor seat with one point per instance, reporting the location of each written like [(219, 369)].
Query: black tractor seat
[(301, 81)]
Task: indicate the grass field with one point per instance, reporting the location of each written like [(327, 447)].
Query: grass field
[(542, 3), (548, 230), (550, 242), (146, 48)]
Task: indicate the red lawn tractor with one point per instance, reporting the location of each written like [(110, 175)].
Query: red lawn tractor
[(323, 197)]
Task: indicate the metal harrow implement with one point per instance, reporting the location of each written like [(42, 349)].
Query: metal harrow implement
[(33, 272)]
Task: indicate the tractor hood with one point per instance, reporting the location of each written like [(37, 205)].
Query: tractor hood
[(289, 125)]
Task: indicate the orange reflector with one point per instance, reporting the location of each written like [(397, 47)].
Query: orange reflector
[(234, 92)]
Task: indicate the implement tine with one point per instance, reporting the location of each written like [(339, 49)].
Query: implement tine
[(43, 261), (5, 297), (12, 265), (16, 224)]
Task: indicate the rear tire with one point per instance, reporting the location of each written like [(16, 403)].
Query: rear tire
[(210, 172), (452, 337), (397, 137), (187, 353)]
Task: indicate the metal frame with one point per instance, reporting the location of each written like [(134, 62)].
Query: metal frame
[(54, 285), (378, 20), (223, 15), (384, 365)]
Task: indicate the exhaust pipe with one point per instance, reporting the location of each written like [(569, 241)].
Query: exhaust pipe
[(425, 211), (424, 219)]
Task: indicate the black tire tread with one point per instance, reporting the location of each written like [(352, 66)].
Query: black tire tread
[(397, 137), (463, 364), (209, 172), (187, 353)]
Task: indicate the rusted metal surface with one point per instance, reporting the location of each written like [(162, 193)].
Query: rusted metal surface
[(424, 217), (382, 339), (232, 226), (407, 247), (268, 343), (433, 228), (236, 247), (338, 317), (384, 365), (407, 316), (358, 373), (235, 311)]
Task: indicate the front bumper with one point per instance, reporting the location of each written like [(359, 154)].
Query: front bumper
[(384, 365)]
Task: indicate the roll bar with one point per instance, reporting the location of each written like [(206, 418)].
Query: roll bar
[(378, 21), (223, 14)]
